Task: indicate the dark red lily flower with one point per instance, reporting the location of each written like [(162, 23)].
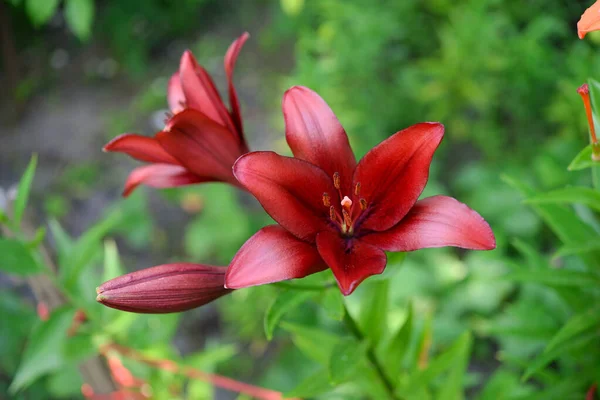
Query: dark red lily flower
[(200, 142), (164, 289), (333, 212)]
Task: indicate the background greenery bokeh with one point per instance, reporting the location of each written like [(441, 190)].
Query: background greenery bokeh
[(501, 75)]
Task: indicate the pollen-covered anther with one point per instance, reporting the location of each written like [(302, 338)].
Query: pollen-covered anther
[(357, 189), (346, 203), (336, 180), (332, 215), (326, 199), (363, 204)]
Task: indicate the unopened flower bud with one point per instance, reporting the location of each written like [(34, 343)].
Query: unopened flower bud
[(164, 288)]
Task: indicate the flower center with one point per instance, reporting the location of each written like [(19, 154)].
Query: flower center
[(344, 217)]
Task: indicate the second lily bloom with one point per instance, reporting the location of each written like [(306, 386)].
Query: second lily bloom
[(333, 212), (203, 138)]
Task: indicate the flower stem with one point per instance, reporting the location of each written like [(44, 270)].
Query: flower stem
[(355, 330)]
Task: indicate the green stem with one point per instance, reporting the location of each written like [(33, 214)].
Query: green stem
[(355, 330)]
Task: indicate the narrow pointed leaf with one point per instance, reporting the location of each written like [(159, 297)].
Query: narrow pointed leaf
[(569, 195), (374, 311), (346, 360), (285, 302), (555, 277), (314, 343), (575, 326), (396, 349), (315, 384), (333, 303), (17, 258), (23, 190), (583, 160)]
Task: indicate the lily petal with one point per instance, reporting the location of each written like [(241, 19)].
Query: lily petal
[(590, 20), (314, 134), (230, 58), (141, 148), (394, 173), (290, 190), (160, 176), (200, 91), (175, 96), (351, 261), (272, 255), (201, 145), (436, 221)]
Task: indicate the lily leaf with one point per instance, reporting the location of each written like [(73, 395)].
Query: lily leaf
[(374, 310), (314, 385), (347, 357), (314, 343), (23, 190), (569, 195), (583, 160), (395, 351), (17, 258), (283, 303), (577, 325), (555, 277)]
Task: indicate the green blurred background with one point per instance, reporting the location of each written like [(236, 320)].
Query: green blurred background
[(500, 74)]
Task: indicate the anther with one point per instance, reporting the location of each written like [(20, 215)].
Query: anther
[(336, 180), (347, 219), (346, 203), (326, 199), (357, 189), (363, 204), (332, 215)]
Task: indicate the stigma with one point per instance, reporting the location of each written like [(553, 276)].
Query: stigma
[(345, 218)]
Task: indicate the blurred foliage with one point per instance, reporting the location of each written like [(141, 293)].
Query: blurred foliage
[(520, 322)]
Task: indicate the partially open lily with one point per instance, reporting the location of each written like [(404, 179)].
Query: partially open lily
[(333, 212), (203, 138)]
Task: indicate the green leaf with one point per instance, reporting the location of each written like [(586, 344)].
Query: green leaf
[(314, 385), (563, 221), (547, 357), (572, 249), (112, 264), (283, 303), (62, 241), (347, 357), (555, 277), (576, 325), (24, 188), (396, 349), (374, 310), (44, 351), (333, 303), (569, 195), (40, 11), (313, 342), (79, 15), (17, 258), (454, 360), (583, 160)]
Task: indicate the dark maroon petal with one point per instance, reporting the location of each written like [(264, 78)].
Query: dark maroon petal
[(290, 190), (272, 255), (314, 134), (351, 260), (436, 221), (165, 288), (160, 176), (175, 95), (230, 58), (201, 92), (201, 145), (394, 173), (140, 147)]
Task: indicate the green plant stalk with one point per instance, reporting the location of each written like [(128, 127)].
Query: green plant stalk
[(355, 330)]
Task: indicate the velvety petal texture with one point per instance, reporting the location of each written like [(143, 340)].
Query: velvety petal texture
[(314, 134), (590, 20), (200, 91), (201, 145), (141, 148), (175, 95), (272, 255), (394, 173), (350, 260), (290, 190), (164, 288), (230, 58), (161, 176), (436, 221)]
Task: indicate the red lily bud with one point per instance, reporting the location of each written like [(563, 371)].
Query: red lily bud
[(164, 289)]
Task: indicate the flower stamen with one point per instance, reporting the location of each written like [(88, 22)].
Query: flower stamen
[(584, 92), (326, 199)]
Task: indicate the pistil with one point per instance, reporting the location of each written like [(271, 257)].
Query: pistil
[(584, 92), (345, 221)]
